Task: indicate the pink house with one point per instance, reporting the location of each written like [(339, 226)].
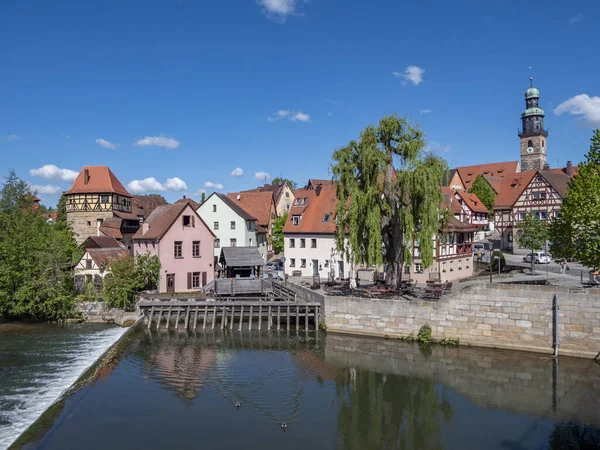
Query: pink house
[(183, 244)]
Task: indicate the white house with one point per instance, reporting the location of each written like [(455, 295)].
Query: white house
[(94, 264), (232, 225), (309, 235)]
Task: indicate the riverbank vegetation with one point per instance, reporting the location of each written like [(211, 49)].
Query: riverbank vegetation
[(128, 277), (35, 257)]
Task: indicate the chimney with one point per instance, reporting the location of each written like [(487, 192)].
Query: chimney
[(569, 168), (546, 167), (319, 187), (184, 196), (86, 176)]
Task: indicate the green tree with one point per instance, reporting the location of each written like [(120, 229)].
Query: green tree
[(61, 211), (484, 191), (277, 236), (281, 180), (382, 208), (35, 258), (128, 277), (533, 234), (575, 234), (203, 198)]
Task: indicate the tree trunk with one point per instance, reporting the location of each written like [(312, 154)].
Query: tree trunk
[(391, 234)]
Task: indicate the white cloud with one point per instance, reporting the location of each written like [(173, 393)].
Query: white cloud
[(106, 144), (157, 141), (151, 184), (198, 193), (211, 185), (279, 10), (262, 176), (436, 147), (581, 105), (12, 137), (278, 115), (300, 116), (66, 136), (46, 189), (237, 172), (575, 19), (414, 74), (329, 114), (425, 111), (51, 172), (175, 184), (292, 115)]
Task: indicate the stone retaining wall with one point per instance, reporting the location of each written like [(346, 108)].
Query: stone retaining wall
[(491, 315), (98, 312), (499, 379)]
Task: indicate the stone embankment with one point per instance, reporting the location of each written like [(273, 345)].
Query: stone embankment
[(497, 315), (98, 312)]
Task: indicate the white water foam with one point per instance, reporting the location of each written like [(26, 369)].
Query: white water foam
[(48, 388)]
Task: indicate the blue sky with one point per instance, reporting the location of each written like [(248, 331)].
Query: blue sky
[(187, 91)]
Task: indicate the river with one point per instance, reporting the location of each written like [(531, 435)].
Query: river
[(171, 389), (38, 362)]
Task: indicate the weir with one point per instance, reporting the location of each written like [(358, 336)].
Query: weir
[(239, 314)]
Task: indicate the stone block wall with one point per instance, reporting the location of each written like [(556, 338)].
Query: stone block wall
[(492, 315), (98, 312), (79, 223)]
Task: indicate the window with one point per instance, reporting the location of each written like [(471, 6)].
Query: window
[(297, 202), (304, 200), (313, 243), (302, 243), (104, 198), (232, 225), (539, 179), (536, 195), (406, 270), (303, 263), (88, 263), (451, 265), (460, 263), (326, 218), (292, 243), (522, 216), (543, 195), (196, 249), (543, 215), (216, 226), (250, 225), (418, 268), (217, 243), (556, 213), (195, 280), (232, 242), (443, 267), (89, 223), (178, 249), (214, 208), (287, 195), (292, 262), (296, 220), (187, 221)]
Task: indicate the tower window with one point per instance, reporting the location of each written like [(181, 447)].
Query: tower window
[(530, 143)]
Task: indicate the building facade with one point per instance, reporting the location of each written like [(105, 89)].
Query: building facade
[(183, 244)]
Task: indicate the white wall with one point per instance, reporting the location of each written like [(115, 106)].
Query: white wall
[(225, 215), (322, 253)]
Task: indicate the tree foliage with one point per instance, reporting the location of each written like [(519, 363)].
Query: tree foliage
[(532, 234), (277, 235), (388, 190), (576, 233), (484, 191), (128, 277), (35, 258), (281, 180)]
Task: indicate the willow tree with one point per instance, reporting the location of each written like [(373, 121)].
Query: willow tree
[(388, 191)]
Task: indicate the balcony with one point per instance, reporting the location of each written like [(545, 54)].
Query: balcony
[(463, 249)]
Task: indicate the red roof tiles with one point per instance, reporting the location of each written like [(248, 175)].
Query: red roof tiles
[(313, 213), (97, 180), (256, 203), (496, 170)]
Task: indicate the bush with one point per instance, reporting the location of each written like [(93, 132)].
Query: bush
[(424, 334), (498, 253), (128, 277)]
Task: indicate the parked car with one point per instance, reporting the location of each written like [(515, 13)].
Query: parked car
[(273, 266), (477, 247), (538, 258)]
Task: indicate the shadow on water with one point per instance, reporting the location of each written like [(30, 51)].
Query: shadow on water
[(333, 391)]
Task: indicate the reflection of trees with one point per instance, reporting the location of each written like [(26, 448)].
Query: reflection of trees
[(388, 411), (574, 436)]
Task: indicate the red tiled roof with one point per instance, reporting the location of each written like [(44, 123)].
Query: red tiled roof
[(101, 242), (473, 202), (112, 227), (101, 180), (256, 203), (143, 205), (106, 256), (497, 170), (234, 206), (450, 201), (313, 213), (558, 180), (313, 182), (191, 202), (50, 216), (163, 217), (511, 188)]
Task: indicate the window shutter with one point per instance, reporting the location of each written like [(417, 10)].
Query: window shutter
[(189, 280), (194, 221)]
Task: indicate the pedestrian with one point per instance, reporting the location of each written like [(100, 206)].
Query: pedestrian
[(479, 255), (562, 266)]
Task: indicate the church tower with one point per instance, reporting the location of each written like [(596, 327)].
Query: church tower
[(533, 135)]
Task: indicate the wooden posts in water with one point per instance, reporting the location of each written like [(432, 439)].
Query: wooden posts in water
[(273, 312)]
